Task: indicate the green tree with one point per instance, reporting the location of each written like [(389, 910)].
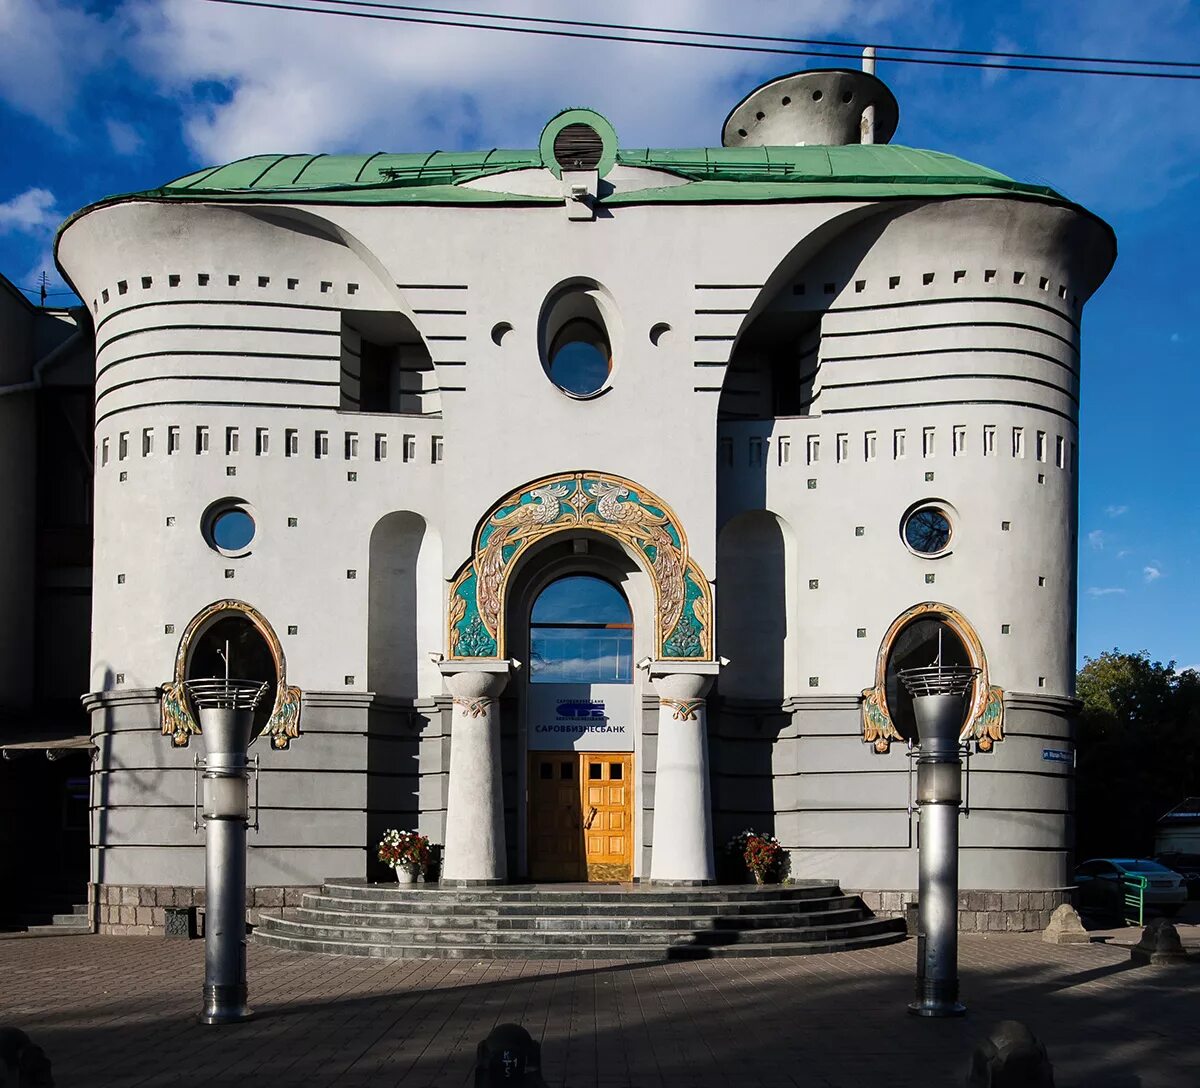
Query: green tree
[(1138, 731)]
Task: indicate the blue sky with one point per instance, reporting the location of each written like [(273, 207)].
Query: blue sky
[(110, 96)]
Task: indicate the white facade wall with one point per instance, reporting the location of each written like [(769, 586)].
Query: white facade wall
[(943, 317)]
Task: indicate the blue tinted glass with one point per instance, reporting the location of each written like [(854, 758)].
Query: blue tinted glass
[(232, 530), (568, 653), (580, 598), (571, 655), (579, 367)]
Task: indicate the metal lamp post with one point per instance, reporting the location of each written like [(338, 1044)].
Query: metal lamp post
[(226, 710), (937, 692)]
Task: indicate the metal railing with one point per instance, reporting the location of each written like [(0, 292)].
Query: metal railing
[(1133, 901)]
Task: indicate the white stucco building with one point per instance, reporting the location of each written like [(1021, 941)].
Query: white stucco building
[(824, 409)]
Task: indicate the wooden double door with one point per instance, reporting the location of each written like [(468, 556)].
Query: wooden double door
[(580, 816)]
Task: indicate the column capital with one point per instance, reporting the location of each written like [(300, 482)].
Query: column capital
[(682, 681), (473, 680)]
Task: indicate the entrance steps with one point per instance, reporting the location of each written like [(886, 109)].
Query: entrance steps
[(55, 918), (577, 921)]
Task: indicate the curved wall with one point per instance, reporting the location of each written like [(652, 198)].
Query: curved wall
[(948, 371)]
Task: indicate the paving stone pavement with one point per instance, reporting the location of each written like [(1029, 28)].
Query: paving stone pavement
[(119, 1012)]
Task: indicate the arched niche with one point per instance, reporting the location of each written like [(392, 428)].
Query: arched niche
[(608, 506), (756, 559), (255, 654), (403, 606), (906, 640)]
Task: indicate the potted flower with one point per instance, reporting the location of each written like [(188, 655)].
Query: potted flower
[(760, 852), (407, 852)]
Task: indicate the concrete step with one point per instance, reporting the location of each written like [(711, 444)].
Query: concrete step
[(429, 894), (587, 923), (597, 951), (62, 929), (581, 905), (552, 937)]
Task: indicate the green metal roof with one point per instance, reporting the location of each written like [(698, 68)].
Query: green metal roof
[(789, 173), (714, 174)]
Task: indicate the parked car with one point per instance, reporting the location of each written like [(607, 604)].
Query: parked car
[(1102, 886), (1187, 866)]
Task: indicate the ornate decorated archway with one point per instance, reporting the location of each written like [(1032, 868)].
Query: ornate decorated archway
[(575, 501), (984, 721), (178, 721)]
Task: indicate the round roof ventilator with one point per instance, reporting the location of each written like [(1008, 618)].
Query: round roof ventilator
[(578, 147)]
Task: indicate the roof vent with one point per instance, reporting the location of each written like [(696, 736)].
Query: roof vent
[(578, 147), (578, 140), (824, 106)]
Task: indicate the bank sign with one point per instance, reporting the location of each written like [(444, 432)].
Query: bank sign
[(580, 717)]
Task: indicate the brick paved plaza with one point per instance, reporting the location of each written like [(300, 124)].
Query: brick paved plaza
[(120, 1011)]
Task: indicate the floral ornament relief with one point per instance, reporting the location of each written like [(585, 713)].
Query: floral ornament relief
[(609, 505), (985, 714), (178, 722)]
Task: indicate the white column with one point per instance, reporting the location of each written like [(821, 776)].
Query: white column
[(682, 850), (474, 847)]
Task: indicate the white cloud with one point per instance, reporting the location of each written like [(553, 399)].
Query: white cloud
[(297, 82), (30, 212), (125, 139), (1116, 511), (1152, 572), (1103, 591), (1124, 552), (1096, 539), (1002, 44), (46, 46)]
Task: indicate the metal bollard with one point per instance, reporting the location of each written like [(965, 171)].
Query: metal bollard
[(226, 711), (938, 705)]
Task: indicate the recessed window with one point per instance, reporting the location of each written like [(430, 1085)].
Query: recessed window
[(229, 527), (575, 337), (927, 530), (580, 358)]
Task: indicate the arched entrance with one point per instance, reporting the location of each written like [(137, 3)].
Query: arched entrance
[(580, 731)]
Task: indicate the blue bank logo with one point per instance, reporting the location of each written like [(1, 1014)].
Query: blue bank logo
[(575, 710)]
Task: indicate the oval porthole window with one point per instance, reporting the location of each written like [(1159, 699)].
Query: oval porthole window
[(229, 527), (580, 358), (575, 333), (927, 530)]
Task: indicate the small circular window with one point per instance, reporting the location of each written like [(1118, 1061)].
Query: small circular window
[(580, 358), (229, 527), (928, 530)]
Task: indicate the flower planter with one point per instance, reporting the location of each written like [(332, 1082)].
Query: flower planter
[(406, 874)]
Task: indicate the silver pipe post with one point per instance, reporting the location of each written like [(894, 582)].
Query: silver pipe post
[(226, 712), (938, 706)]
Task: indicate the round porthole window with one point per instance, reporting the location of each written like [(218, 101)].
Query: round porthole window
[(229, 527), (927, 530)]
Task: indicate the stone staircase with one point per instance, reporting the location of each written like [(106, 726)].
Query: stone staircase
[(56, 915), (577, 921)]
